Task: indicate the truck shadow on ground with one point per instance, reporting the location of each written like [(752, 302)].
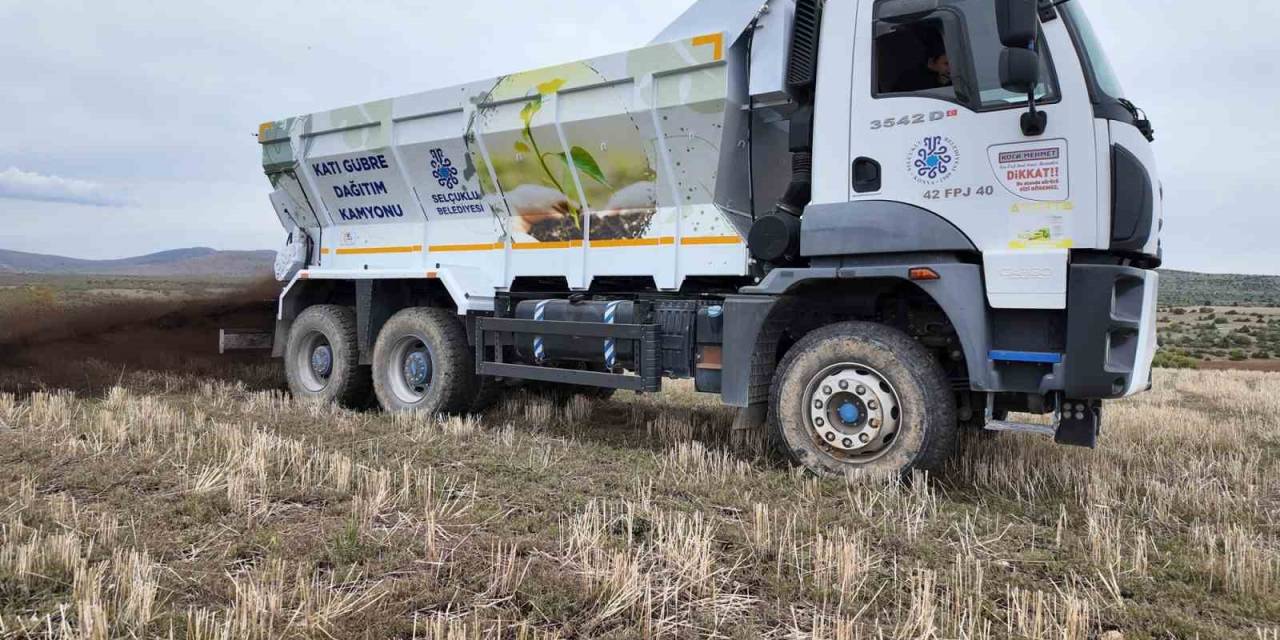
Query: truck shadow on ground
[(657, 420)]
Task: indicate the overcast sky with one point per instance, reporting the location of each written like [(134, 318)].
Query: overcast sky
[(128, 125)]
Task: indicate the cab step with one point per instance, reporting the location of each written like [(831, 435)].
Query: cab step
[(1022, 427), (1076, 423)]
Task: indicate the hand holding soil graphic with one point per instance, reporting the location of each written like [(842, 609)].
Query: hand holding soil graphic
[(547, 214), (534, 205), (627, 214)]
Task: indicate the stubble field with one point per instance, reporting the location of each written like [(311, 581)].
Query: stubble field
[(171, 506), (159, 491)]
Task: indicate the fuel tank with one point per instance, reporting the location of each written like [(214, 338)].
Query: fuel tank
[(606, 352)]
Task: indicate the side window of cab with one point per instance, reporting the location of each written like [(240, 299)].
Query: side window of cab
[(912, 59), (950, 51)]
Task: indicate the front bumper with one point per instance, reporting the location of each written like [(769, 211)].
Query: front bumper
[(1111, 331)]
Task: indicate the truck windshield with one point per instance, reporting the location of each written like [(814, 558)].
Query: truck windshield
[(1091, 49)]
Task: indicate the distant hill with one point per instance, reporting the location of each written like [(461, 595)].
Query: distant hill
[(1185, 288), (193, 262)]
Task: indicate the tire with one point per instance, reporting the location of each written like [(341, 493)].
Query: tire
[(448, 383), (901, 403), (337, 377)]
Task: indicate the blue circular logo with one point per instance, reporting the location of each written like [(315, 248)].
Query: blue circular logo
[(442, 169), (933, 159)]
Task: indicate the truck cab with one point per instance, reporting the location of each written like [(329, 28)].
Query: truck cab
[(928, 142), (872, 224)]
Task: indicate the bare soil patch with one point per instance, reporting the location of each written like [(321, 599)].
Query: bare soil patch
[(1244, 365)]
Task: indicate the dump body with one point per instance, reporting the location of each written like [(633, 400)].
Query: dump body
[(604, 167)]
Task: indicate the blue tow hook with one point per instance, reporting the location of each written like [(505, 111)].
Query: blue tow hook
[(848, 413)]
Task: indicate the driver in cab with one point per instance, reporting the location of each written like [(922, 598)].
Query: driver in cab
[(934, 74)]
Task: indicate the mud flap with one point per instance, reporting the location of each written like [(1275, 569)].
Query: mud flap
[(1080, 423)]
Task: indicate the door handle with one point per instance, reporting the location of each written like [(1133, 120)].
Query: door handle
[(866, 175)]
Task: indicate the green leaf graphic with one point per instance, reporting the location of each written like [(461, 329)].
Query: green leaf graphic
[(585, 163)]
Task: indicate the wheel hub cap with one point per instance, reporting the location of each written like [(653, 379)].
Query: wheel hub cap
[(853, 410), (849, 413), (417, 369), (322, 361)]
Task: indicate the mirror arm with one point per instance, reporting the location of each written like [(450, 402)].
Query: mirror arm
[(1035, 121)]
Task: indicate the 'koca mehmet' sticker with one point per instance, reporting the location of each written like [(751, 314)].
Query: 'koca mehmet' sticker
[(1033, 170), (933, 160)]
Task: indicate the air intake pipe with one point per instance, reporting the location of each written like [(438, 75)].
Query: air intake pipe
[(775, 238)]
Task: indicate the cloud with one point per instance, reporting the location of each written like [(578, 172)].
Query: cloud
[(17, 184)]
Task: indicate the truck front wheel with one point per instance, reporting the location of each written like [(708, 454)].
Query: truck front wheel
[(322, 359), (421, 362), (864, 399)]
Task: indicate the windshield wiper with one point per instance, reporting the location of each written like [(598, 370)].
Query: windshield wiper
[(1140, 120)]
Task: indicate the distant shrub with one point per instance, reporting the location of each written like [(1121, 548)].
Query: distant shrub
[(1179, 311), (1238, 340), (1237, 355), (1173, 360), (1262, 355)]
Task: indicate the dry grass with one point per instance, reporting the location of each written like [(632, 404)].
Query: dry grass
[(175, 506)]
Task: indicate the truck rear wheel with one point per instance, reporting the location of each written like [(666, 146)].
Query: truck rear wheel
[(322, 360), (421, 362), (865, 399)]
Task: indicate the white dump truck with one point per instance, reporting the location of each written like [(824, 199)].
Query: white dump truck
[(877, 222)]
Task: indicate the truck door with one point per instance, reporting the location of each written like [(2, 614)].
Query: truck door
[(933, 127)]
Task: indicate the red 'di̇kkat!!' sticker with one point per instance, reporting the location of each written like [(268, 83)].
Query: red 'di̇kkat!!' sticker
[(1034, 171)]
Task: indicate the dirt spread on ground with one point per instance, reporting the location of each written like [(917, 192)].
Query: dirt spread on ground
[(86, 347)]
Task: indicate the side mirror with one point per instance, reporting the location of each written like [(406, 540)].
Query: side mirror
[(1020, 73), (1019, 70), (1018, 22)]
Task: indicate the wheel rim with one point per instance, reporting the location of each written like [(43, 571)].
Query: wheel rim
[(314, 362), (853, 412), (412, 369)]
